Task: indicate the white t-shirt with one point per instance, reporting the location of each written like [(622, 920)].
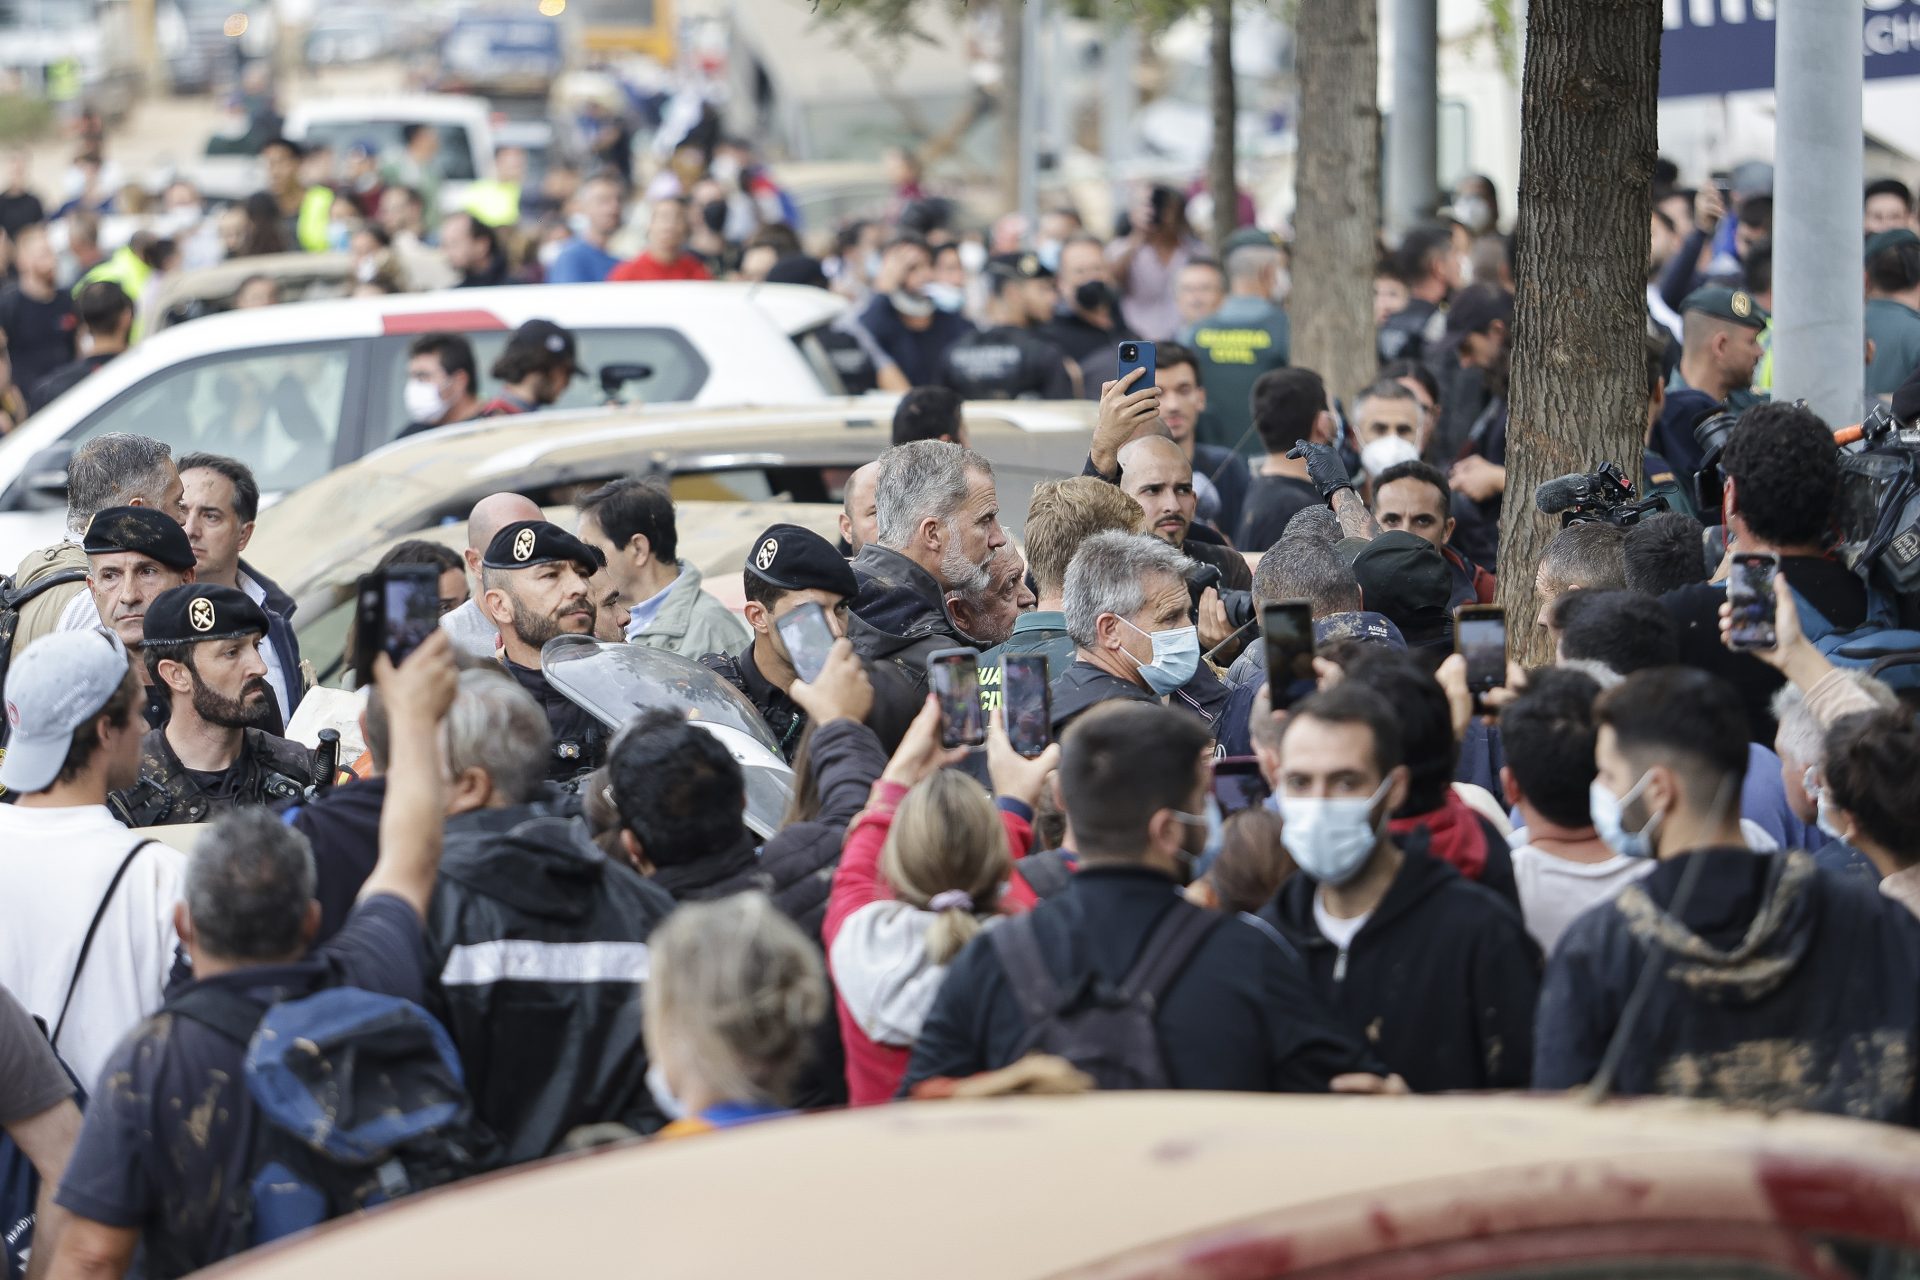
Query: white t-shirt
[(1336, 930), (1554, 890), (54, 869)]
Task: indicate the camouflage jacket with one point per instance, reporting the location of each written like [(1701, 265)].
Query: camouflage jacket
[(271, 771)]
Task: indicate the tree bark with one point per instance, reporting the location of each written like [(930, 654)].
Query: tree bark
[(1012, 43), (1337, 190), (1579, 386), (1222, 181)]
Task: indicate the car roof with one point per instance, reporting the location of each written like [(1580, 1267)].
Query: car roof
[(434, 108), (1126, 1184)]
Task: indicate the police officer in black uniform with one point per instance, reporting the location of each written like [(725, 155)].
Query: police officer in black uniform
[(1008, 360), (120, 542), (535, 586), (202, 645)]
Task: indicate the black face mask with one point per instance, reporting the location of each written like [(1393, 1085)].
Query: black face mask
[(714, 214), (1094, 295)]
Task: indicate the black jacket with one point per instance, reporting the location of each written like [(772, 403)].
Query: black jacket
[(900, 615), (343, 827), (1779, 986), (896, 700), (279, 607), (579, 740), (1083, 686), (1441, 980), (536, 945), (800, 859), (734, 869), (1241, 1016)]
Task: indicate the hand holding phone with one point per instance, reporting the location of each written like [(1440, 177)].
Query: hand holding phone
[(1750, 594), (1480, 636), (1286, 628), (398, 609), (1028, 702), (808, 638), (955, 677)]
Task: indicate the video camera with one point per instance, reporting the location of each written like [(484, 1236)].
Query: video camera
[(1606, 496), (1879, 508)]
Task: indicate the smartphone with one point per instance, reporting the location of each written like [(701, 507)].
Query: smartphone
[(398, 608), (1238, 784), (1480, 636), (1722, 179), (1287, 628), (1135, 354), (1750, 592), (1026, 702), (955, 675), (808, 637)]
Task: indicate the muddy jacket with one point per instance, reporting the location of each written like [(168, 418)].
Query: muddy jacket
[(1780, 986), (900, 615), (270, 771), (1440, 980), (536, 946)]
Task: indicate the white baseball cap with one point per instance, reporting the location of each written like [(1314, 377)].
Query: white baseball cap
[(59, 683)]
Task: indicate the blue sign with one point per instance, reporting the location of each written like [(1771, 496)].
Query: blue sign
[(1726, 46)]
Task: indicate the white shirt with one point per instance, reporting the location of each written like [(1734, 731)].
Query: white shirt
[(473, 632), (1338, 931), (54, 868), (1554, 890), (80, 613)]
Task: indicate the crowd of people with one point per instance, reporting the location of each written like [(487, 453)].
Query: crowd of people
[(1668, 862)]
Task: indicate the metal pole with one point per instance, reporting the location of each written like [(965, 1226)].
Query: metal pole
[(1119, 54), (1413, 130), (1818, 333), (1031, 26)]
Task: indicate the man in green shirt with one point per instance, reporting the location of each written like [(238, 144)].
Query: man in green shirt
[(1245, 338), (1893, 309)]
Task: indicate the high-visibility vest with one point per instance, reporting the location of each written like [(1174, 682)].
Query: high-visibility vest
[(63, 80), (494, 202), (313, 225), (125, 268)]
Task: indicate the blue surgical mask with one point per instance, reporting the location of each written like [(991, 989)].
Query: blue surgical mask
[(1176, 656), (1607, 810), (1331, 838), (946, 297), (1216, 835)]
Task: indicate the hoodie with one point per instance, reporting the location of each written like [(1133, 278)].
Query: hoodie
[(1460, 837), (1440, 980), (536, 944), (1775, 985)]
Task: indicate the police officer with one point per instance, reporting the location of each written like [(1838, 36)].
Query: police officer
[(202, 645), (1007, 360), (535, 583), (787, 568), (134, 554), (1720, 346)]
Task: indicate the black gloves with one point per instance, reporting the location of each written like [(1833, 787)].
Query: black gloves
[(1324, 467)]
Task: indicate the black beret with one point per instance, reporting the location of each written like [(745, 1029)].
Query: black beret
[(1018, 266), (1403, 576), (148, 530), (202, 611), (526, 543), (797, 559)]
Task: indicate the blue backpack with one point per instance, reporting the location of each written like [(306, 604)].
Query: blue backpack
[(361, 1100), (1880, 637)]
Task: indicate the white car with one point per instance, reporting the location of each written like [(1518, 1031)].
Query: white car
[(296, 390), (464, 124)]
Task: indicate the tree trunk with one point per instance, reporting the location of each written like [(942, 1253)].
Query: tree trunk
[(1337, 192), (1579, 386), (1012, 45), (1221, 179)]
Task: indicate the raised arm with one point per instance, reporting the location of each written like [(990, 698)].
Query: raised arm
[(417, 694)]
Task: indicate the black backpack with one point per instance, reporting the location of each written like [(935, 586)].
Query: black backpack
[(1106, 1031), (12, 600), (361, 1100)]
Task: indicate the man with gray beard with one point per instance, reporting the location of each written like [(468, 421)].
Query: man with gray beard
[(937, 527)]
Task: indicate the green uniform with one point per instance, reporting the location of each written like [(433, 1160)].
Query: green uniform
[(1236, 344), (270, 771)]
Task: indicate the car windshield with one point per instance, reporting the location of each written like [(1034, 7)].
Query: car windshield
[(616, 682), (454, 160)]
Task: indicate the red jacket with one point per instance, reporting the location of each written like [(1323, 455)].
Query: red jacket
[(874, 1070), (645, 267)]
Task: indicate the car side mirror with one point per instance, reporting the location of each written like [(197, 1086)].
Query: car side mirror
[(46, 471), (615, 377)]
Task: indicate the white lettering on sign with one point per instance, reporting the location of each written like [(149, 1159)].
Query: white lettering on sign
[(1675, 14), (1899, 33)]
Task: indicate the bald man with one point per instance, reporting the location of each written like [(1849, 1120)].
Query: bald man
[(1156, 473), (473, 632), (857, 513)]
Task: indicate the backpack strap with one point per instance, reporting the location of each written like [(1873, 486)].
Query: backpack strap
[(19, 597), (1169, 947), (1033, 983), (227, 1013), (93, 927)]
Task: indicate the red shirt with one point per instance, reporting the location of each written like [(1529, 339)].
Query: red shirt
[(647, 267)]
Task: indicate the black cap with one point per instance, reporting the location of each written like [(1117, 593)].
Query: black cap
[(798, 268), (147, 530), (202, 611), (546, 337), (1018, 266), (797, 559), (526, 543), (1881, 241), (1735, 305), (1403, 576), (1473, 310)]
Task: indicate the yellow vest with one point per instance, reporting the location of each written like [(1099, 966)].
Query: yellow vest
[(125, 268), (494, 202), (311, 228)]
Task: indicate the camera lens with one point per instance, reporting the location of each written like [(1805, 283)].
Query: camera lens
[(1129, 352)]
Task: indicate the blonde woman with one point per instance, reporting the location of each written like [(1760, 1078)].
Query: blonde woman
[(734, 992), (926, 866)]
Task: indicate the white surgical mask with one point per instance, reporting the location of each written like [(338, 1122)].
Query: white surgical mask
[(423, 401), (1475, 212), (1176, 657), (973, 256), (1607, 809), (911, 304), (724, 170), (1387, 451), (1823, 811), (1331, 838)]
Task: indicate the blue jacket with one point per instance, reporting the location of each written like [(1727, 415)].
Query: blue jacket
[(279, 607)]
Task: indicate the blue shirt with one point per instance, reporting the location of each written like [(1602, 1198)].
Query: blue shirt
[(581, 263), (643, 614)]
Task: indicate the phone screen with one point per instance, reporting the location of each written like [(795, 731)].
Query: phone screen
[(956, 683), (1135, 354), (1750, 592), (1480, 636), (1237, 783), (1287, 628), (808, 638), (1028, 703), (398, 609)]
